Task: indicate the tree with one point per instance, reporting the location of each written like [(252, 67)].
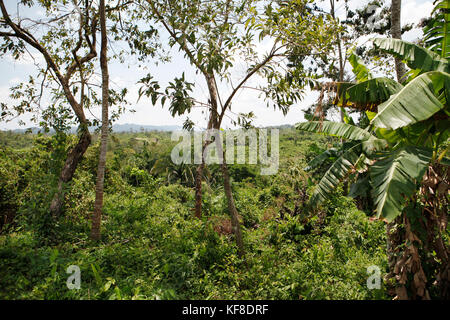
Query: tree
[(396, 32), (373, 18), (213, 34), (402, 150), (332, 67), (98, 205), (69, 51), (340, 55), (62, 67)]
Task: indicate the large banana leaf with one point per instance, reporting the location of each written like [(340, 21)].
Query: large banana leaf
[(342, 130), (362, 73), (337, 172), (359, 188), (321, 158), (437, 31), (373, 145), (341, 91), (369, 94), (394, 178), (415, 57), (417, 101)]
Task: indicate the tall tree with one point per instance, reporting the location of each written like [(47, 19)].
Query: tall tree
[(62, 67), (69, 51), (213, 34), (400, 70), (98, 205), (396, 33), (339, 48), (355, 24)]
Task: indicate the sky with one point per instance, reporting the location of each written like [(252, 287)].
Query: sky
[(126, 75)]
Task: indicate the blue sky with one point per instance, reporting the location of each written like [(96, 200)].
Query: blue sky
[(246, 100)]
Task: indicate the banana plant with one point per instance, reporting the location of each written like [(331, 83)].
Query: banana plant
[(409, 124), (438, 29)]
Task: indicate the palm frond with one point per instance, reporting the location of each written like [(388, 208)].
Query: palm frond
[(416, 57), (342, 130), (417, 101), (394, 177), (337, 172)]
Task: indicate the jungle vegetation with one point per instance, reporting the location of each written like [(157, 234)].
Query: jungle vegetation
[(370, 188)]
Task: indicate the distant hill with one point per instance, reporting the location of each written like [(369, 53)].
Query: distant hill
[(127, 127), (132, 127)]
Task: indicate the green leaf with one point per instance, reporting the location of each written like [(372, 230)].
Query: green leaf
[(107, 286), (445, 161), (369, 94), (97, 276), (416, 102), (321, 158), (373, 144), (154, 98), (346, 117), (359, 188), (337, 172), (415, 57), (341, 88), (362, 73), (394, 177), (436, 32), (343, 130)]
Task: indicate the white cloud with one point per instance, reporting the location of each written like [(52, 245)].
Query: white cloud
[(14, 81), (27, 59), (247, 100), (413, 11)]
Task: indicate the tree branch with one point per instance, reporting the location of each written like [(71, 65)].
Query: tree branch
[(248, 76), (182, 43), (28, 38)]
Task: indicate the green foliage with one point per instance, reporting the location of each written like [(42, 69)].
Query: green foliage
[(417, 101), (342, 130), (153, 248), (367, 95), (403, 137), (337, 172), (417, 58), (178, 93), (361, 72), (438, 28), (394, 177)]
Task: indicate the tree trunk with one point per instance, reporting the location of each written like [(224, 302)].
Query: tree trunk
[(68, 170), (198, 189), (215, 124), (98, 206), (199, 172), (77, 152), (341, 58), (396, 33), (235, 224), (199, 176)]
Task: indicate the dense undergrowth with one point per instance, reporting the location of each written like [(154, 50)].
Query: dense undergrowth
[(152, 247)]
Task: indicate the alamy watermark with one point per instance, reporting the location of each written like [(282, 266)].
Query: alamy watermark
[(374, 279), (211, 144), (375, 20), (74, 280)]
